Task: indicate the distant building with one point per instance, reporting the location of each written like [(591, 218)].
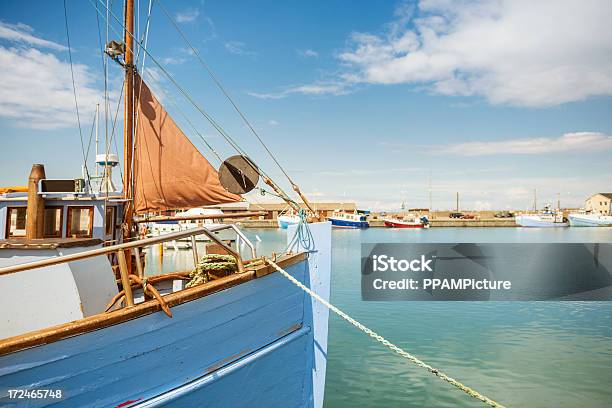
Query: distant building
[(599, 203), (325, 209)]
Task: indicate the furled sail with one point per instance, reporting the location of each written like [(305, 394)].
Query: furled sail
[(169, 172)]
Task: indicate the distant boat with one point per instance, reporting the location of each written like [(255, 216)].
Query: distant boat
[(590, 220), (343, 219), (545, 219), (162, 227), (409, 221), (177, 245), (285, 220)]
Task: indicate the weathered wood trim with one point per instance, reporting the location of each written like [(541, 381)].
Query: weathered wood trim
[(61, 220), (69, 219), (103, 320), (48, 243), (264, 270), (8, 220)]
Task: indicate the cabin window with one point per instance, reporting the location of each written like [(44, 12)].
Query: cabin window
[(80, 222), (53, 222), (16, 225), (109, 221)]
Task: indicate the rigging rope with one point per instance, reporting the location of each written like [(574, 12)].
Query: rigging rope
[(223, 90), (401, 352), (76, 104), (190, 99)]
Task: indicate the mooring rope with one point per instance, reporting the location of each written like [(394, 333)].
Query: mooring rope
[(302, 235), (415, 360)]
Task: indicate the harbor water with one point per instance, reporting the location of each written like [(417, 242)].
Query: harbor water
[(523, 354)]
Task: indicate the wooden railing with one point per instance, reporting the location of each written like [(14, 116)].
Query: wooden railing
[(134, 247)]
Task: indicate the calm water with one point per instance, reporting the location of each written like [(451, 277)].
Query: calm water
[(535, 354)]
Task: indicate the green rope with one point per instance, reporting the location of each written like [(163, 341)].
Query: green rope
[(212, 263)]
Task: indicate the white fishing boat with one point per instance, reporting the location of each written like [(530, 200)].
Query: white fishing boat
[(589, 220), (287, 219), (178, 245), (544, 219), (192, 218), (407, 221)]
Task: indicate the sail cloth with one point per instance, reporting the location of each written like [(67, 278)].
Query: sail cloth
[(169, 172)]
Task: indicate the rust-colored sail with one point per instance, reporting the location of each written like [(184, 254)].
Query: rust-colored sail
[(169, 172)]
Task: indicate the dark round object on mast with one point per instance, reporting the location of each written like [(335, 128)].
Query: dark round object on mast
[(238, 174)]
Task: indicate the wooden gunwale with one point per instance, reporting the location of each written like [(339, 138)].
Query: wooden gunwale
[(103, 320)]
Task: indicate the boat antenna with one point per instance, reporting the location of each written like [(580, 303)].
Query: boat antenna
[(236, 107)]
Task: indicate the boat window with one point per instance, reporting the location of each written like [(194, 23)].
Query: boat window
[(16, 222), (80, 221), (53, 222), (109, 221)]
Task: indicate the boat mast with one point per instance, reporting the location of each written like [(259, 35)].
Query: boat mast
[(128, 123)]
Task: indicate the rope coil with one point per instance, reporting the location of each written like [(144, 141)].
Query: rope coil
[(403, 353)]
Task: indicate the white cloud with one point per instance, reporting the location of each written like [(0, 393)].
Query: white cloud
[(173, 60), (515, 52), (238, 48), (273, 122), (308, 53), (569, 142), (316, 89), (22, 33), (187, 15), (37, 92)]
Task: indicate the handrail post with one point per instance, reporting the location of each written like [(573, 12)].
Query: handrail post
[(245, 239), (125, 280), (139, 267), (229, 249), (194, 251)]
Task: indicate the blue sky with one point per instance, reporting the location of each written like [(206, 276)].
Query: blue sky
[(361, 101)]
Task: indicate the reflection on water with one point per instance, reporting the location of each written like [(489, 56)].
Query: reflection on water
[(523, 354)]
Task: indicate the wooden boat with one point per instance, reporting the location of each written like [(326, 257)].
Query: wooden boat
[(80, 320)]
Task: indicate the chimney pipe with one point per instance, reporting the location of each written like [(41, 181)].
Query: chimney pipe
[(35, 222)]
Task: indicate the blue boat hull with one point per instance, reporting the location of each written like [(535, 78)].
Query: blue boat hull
[(349, 224), (259, 343)]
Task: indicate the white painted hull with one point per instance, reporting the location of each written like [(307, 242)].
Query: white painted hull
[(538, 221), (284, 221), (590, 220)]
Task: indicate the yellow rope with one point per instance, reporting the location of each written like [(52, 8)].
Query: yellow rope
[(415, 360)]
